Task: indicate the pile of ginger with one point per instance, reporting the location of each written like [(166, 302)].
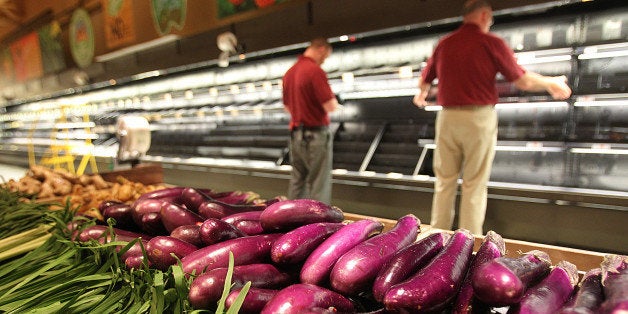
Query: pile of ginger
[(85, 191)]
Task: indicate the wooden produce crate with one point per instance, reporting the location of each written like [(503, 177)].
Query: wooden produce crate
[(583, 259), (142, 173)]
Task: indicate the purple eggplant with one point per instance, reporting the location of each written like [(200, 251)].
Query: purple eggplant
[(250, 227), (503, 281), (135, 261), (355, 271), (173, 216), (615, 284), (98, 232), (151, 224), (217, 209), (166, 194), (296, 245), (206, 289), (319, 263), (192, 198), (189, 233), (492, 247), (142, 207), (160, 251), (302, 298), (234, 218), (254, 301), (122, 213), (273, 200), (434, 286), (549, 295), (134, 250), (236, 197), (246, 250), (214, 230), (589, 295), (407, 262), (290, 214)]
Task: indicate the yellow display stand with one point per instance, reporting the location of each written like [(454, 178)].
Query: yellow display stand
[(60, 154)]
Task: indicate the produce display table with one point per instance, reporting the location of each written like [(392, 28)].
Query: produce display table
[(583, 259)]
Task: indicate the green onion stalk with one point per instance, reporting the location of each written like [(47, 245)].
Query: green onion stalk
[(52, 273)]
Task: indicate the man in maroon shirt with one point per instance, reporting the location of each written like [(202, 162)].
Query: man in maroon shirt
[(466, 63), (308, 98)]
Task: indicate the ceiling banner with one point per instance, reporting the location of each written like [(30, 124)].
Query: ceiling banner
[(230, 7), (119, 23), (168, 15), (6, 66), (51, 48), (26, 56), (81, 35)]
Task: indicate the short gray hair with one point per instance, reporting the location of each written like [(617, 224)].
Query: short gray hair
[(472, 5)]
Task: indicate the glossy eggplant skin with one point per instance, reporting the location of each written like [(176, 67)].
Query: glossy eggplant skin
[(615, 283), (188, 233), (355, 271), (174, 215), (151, 224), (319, 263), (246, 250), (434, 286), (304, 298), (206, 289), (503, 281), (291, 214), (407, 262), (142, 207), (121, 212), (192, 198), (214, 230), (97, 232), (492, 247), (166, 194), (160, 248), (589, 296), (296, 245), (218, 209), (254, 301), (551, 293)]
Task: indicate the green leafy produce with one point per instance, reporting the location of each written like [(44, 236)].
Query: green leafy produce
[(49, 273)]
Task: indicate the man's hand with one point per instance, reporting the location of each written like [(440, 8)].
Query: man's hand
[(419, 100), (557, 87)]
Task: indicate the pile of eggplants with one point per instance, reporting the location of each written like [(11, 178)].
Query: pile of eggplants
[(301, 256)]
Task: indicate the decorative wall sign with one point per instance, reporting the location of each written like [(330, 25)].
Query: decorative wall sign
[(51, 48), (168, 14), (231, 7), (26, 56), (6, 66), (81, 38), (119, 23)]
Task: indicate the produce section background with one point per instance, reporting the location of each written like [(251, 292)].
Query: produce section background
[(547, 213)]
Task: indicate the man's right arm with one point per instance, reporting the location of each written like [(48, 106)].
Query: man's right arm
[(556, 86), (420, 98)]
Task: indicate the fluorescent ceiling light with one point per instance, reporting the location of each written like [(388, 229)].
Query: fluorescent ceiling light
[(524, 105), (602, 151), (601, 103), (137, 48)]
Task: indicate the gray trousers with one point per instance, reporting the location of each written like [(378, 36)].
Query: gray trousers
[(311, 153)]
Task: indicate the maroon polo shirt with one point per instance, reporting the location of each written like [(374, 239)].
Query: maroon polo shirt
[(466, 63), (305, 89)]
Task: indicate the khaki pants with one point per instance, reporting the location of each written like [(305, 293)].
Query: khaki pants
[(311, 155), (465, 143)]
